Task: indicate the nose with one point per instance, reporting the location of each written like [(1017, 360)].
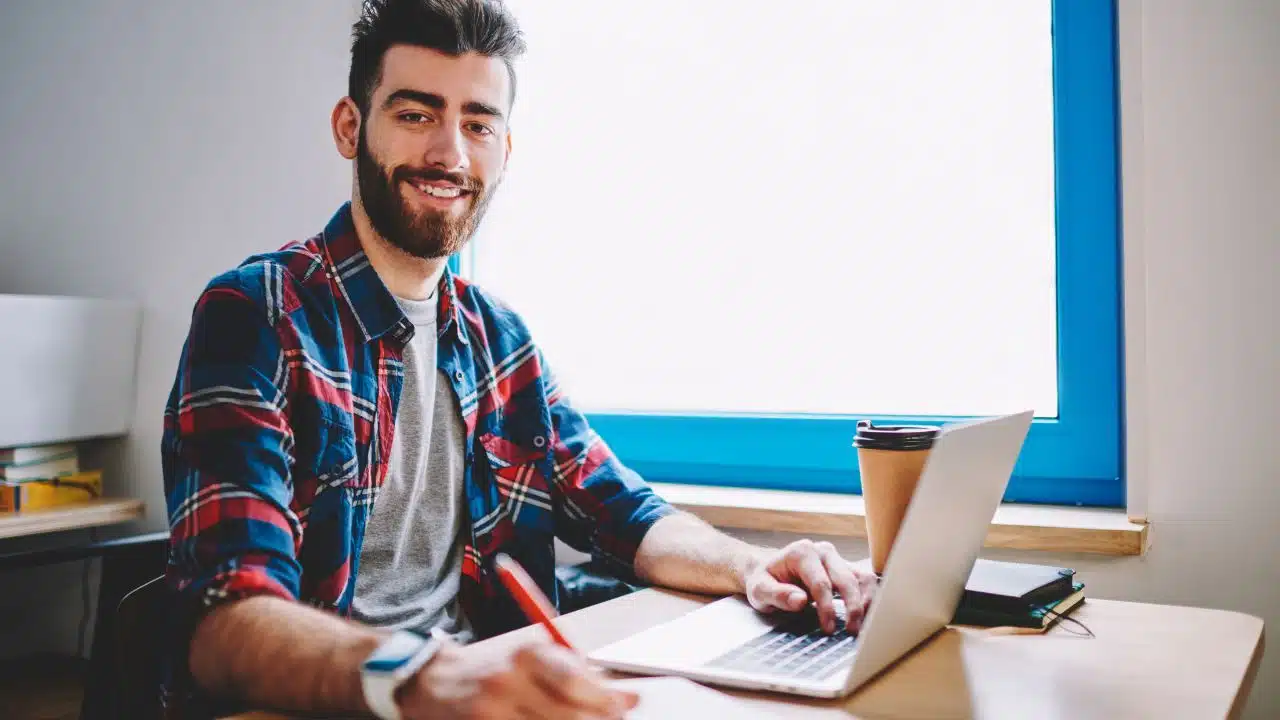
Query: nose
[(447, 150)]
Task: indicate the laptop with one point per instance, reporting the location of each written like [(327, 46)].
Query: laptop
[(728, 643)]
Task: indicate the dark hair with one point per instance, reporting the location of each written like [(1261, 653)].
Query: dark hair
[(453, 27)]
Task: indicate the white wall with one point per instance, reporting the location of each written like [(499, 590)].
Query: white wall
[(144, 147), (148, 145)]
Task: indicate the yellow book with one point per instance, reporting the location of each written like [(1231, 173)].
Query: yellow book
[(36, 494)]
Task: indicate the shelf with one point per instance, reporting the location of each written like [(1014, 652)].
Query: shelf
[(93, 513), (1019, 527)]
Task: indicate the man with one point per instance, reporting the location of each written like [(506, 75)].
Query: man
[(355, 433)]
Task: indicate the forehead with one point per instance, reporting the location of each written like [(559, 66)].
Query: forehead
[(470, 77)]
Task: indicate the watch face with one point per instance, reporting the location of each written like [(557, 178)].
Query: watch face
[(396, 651)]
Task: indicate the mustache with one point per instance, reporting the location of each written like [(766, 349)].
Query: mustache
[(465, 182)]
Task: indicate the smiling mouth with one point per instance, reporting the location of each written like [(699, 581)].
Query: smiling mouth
[(438, 190)]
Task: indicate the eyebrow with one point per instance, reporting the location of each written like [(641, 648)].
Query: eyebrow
[(437, 102)]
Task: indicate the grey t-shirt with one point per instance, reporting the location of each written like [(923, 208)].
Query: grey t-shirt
[(411, 561)]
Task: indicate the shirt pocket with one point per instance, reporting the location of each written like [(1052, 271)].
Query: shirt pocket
[(327, 492), (518, 473), (336, 463), (324, 447)]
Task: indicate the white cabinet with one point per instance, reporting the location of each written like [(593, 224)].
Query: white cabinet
[(68, 368)]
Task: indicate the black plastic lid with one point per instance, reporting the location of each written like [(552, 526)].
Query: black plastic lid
[(894, 437)]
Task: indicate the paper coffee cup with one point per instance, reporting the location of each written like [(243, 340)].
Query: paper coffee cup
[(890, 460)]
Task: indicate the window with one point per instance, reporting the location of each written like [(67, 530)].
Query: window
[(736, 230)]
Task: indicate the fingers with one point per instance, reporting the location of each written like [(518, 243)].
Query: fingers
[(805, 569), (540, 680), (512, 693), (870, 585), (768, 593), (574, 685), (845, 582), (805, 563)]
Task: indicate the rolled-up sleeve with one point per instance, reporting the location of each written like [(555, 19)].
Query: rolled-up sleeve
[(226, 455), (604, 507)]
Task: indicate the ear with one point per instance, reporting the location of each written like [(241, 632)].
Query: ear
[(507, 156), (345, 121)]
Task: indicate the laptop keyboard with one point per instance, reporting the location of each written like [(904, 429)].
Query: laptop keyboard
[(796, 648)]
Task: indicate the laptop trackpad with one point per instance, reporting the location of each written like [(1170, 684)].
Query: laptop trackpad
[(691, 640)]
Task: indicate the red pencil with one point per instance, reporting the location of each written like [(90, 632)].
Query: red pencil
[(532, 602)]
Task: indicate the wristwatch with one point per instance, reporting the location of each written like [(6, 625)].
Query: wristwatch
[(396, 660)]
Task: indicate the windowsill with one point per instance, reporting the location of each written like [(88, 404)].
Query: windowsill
[(1053, 528)]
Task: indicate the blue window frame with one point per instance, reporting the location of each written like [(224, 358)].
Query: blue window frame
[(1074, 458)]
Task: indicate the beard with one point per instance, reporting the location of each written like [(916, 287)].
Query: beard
[(423, 233)]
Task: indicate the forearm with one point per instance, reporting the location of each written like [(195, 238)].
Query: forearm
[(682, 552), (277, 654)]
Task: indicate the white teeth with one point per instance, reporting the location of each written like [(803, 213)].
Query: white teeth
[(445, 192)]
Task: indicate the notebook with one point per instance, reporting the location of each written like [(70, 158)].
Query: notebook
[(1015, 588), (1039, 617), (1008, 587)]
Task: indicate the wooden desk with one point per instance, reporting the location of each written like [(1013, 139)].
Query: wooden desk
[(1146, 661)]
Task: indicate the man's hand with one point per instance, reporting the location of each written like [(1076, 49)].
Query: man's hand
[(683, 552), (803, 571), (536, 680)]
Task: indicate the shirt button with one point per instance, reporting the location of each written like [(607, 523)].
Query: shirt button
[(459, 376), (539, 441)]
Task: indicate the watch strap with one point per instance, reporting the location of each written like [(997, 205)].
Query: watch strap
[(397, 659)]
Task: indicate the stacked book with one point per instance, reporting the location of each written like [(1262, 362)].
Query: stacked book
[(44, 476), (1007, 594), (1017, 595)]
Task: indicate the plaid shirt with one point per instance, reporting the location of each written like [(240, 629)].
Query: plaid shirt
[(278, 430)]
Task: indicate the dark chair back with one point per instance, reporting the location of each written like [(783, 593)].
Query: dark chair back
[(138, 638)]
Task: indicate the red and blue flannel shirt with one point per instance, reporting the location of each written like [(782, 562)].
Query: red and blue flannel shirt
[(278, 431)]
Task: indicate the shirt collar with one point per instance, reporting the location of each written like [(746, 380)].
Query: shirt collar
[(372, 304)]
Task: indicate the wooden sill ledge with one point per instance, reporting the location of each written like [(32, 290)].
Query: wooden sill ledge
[(1052, 528)]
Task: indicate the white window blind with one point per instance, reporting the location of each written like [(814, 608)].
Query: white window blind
[(745, 206)]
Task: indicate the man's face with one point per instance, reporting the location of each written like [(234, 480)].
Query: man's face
[(432, 148)]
